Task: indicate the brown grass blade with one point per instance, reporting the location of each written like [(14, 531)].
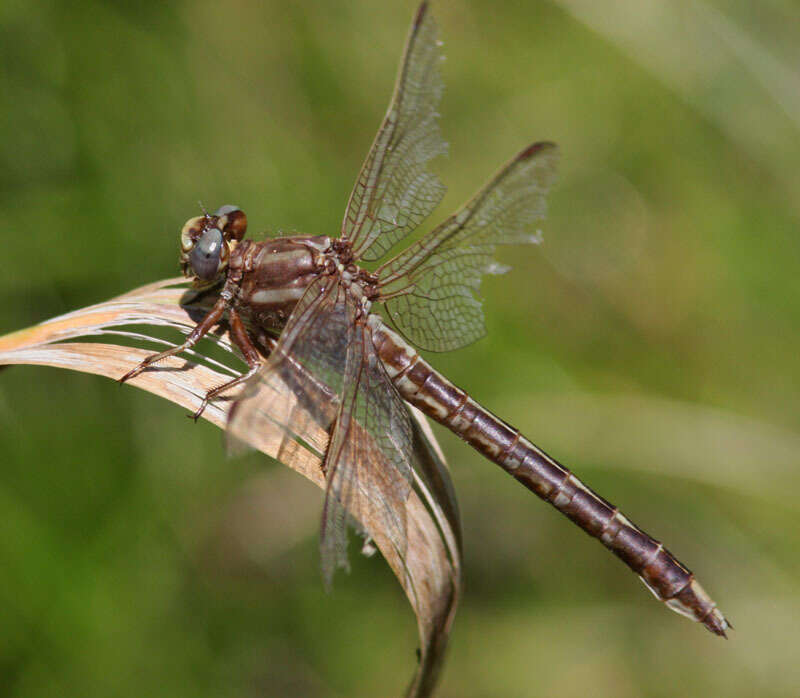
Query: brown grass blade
[(430, 573)]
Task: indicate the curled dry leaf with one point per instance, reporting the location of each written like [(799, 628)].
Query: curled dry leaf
[(430, 572)]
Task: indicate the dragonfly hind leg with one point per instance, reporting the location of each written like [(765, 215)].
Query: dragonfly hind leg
[(251, 355)]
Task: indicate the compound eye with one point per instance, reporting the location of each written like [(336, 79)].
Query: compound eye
[(225, 210), (206, 253), (232, 221)]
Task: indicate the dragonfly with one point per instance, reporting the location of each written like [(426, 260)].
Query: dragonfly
[(302, 311)]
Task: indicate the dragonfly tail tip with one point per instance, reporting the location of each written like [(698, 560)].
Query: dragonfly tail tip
[(717, 623)]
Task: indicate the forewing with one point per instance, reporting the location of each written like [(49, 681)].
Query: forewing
[(369, 463), (395, 190), (432, 286), (336, 381)]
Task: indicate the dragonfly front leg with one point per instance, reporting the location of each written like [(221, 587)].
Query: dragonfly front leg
[(242, 340), (202, 329)]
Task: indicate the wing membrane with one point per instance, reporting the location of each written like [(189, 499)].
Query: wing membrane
[(338, 385), (309, 359), (431, 287), (395, 190), (370, 453)]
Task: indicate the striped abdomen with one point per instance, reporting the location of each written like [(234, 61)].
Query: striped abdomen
[(423, 387)]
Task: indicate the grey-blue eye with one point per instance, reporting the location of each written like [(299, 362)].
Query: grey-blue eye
[(225, 210), (205, 254)]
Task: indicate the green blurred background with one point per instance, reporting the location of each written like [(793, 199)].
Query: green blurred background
[(651, 343)]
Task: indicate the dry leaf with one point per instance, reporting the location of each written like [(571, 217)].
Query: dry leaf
[(430, 573)]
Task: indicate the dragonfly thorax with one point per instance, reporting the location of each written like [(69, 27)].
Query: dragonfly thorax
[(268, 277), (272, 275)]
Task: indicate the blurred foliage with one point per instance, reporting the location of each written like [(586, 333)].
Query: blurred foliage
[(651, 342)]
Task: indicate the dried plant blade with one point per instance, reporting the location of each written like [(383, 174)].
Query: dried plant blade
[(435, 611), (430, 573)]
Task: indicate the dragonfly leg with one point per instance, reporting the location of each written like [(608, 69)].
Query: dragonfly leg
[(242, 340), (202, 328)]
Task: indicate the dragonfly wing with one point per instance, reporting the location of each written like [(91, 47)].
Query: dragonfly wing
[(324, 378), (369, 463), (432, 285), (297, 391), (395, 190)]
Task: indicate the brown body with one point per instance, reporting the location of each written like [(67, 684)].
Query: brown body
[(265, 280), (425, 388), (429, 290), (271, 276)]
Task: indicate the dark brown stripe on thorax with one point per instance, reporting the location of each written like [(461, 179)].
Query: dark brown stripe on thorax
[(273, 275)]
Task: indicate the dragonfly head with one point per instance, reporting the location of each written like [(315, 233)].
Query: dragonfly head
[(207, 242)]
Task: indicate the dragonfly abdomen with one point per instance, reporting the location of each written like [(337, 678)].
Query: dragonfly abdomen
[(425, 388)]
